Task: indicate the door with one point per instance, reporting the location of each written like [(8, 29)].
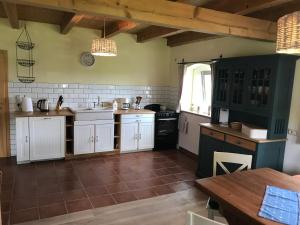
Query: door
[(129, 136), (104, 137), (47, 137), (146, 135), (83, 139), (4, 109), (22, 139)]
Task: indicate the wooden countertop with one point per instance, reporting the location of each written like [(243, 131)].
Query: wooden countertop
[(64, 112), (228, 130), (133, 111)]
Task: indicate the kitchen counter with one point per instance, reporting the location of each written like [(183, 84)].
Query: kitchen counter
[(64, 112), (230, 131), (133, 111)]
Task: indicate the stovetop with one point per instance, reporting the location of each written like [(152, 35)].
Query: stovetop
[(166, 114)]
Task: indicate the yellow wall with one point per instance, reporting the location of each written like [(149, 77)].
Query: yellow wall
[(57, 57)]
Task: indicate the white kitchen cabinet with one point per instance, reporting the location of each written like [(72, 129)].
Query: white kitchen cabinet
[(93, 136), (129, 136), (146, 135), (83, 139), (22, 139), (47, 137), (104, 137), (137, 132)]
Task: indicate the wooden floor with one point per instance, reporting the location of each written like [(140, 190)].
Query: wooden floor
[(161, 210)]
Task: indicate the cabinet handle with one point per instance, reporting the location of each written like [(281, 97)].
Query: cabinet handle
[(140, 136), (26, 139), (97, 139), (47, 118)]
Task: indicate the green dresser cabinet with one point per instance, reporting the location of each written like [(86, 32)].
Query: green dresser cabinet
[(256, 90), (265, 153)]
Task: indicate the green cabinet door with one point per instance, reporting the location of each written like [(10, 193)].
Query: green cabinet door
[(207, 147)]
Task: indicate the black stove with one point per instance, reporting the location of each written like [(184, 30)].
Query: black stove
[(166, 127)]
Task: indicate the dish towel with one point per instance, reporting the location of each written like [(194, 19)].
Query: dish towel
[(281, 205)]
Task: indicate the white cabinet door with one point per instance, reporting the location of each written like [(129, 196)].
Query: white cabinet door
[(146, 135), (47, 137), (129, 136), (83, 139), (104, 137), (22, 139)]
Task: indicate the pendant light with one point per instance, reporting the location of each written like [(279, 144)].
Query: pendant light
[(288, 34), (104, 46)]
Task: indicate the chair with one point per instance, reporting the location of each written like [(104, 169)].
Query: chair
[(219, 159), (195, 219)]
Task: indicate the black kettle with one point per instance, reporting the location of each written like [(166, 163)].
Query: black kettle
[(43, 105)]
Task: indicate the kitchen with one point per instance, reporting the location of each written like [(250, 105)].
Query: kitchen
[(100, 120)]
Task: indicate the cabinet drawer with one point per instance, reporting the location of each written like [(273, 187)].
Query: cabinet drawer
[(137, 116), (212, 133), (241, 142)]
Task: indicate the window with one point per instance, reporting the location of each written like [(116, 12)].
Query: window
[(197, 89)]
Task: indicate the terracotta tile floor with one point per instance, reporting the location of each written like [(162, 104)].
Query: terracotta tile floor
[(45, 189)]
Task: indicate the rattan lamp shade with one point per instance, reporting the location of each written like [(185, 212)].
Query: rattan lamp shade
[(104, 47), (288, 34)]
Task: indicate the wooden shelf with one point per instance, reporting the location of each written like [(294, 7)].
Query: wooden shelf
[(69, 125), (117, 122), (69, 139), (116, 136)]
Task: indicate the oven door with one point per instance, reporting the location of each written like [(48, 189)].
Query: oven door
[(166, 126)]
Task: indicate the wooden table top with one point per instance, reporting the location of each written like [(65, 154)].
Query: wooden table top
[(133, 111), (63, 112), (243, 192)]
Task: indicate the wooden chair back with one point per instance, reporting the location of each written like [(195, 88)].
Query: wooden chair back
[(225, 157), (195, 219)]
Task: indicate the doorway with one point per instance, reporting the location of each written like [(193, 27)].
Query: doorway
[(4, 108)]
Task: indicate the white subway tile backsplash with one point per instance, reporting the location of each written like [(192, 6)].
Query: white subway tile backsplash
[(80, 95)]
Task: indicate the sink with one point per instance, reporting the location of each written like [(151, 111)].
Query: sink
[(88, 114)]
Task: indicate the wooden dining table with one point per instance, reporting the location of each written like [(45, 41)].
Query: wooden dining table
[(240, 194)]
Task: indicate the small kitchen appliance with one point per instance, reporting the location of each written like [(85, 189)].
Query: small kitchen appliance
[(27, 104), (123, 103), (43, 105), (138, 102)]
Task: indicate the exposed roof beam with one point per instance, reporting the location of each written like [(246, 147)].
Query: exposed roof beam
[(118, 27), (152, 32), (168, 14), (188, 37), (262, 6), (69, 21), (254, 7), (12, 14)]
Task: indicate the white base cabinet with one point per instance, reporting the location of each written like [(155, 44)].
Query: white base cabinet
[(40, 138), (93, 136), (137, 132)]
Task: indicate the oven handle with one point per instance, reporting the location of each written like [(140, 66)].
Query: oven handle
[(167, 119)]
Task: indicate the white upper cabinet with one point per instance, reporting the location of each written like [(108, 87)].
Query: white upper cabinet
[(47, 137), (22, 139), (104, 137), (146, 135), (83, 139)]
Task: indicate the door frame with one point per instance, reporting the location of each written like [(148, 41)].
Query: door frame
[(6, 135)]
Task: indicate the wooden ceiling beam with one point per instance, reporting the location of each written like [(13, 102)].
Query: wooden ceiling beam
[(188, 37), (69, 21), (152, 32), (244, 10), (12, 14), (118, 27), (168, 14)]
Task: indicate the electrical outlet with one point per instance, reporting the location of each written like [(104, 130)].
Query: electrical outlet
[(292, 132)]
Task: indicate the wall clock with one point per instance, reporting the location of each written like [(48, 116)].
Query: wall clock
[(87, 59)]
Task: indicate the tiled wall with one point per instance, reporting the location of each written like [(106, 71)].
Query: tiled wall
[(79, 95)]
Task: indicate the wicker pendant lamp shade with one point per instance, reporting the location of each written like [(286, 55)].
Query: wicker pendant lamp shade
[(104, 46), (288, 34)]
